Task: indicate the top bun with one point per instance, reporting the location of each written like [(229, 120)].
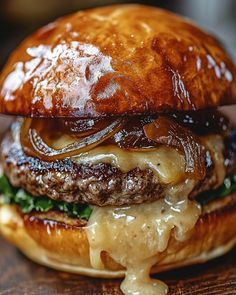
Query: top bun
[(116, 60)]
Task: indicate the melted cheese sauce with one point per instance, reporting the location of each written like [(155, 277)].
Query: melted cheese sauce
[(134, 236), (166, 163)]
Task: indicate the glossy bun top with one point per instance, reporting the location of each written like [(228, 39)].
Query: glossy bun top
[(115, 60)]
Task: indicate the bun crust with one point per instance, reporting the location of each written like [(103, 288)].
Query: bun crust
[(116, 60), (64, 246)]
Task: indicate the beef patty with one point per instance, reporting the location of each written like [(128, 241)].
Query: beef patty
[(98, 184)]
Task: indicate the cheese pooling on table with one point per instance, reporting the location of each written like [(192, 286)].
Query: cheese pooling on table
[(135, 236)]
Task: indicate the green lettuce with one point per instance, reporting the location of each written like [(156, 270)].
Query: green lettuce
[(224, 190), (28, 203)]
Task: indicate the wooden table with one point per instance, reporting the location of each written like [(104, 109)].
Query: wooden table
[(20, 276)]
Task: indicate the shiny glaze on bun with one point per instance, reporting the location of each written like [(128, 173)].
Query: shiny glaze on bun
[(116, 60)]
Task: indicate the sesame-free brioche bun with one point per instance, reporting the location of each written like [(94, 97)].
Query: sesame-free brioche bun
[(116, 60), (63, 244)]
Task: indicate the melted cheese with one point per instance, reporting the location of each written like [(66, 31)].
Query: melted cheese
[(134, 236), (167, 164)]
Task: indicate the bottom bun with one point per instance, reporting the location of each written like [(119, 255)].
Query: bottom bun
[(62, 243)]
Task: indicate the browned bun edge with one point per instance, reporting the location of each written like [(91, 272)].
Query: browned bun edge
[(65, 246)]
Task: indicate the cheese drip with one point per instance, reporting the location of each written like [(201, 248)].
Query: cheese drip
[(135, 236), (166, 163)]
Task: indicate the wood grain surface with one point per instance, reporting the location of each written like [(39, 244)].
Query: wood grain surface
[(20, 276)]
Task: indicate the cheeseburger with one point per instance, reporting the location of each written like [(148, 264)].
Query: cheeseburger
[(119, 162)]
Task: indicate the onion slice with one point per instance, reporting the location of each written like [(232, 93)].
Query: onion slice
[(35, 146), (165, 131), (82, 127)]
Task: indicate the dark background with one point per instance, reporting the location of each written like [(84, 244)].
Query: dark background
[(18, 18)]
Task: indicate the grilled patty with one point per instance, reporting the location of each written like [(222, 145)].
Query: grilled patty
[(100, 184)]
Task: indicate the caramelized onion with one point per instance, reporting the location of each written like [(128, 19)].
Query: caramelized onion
[(53, 139), (131, 136), (34, 145), (58, 132), (82, 127), (166, 131)]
